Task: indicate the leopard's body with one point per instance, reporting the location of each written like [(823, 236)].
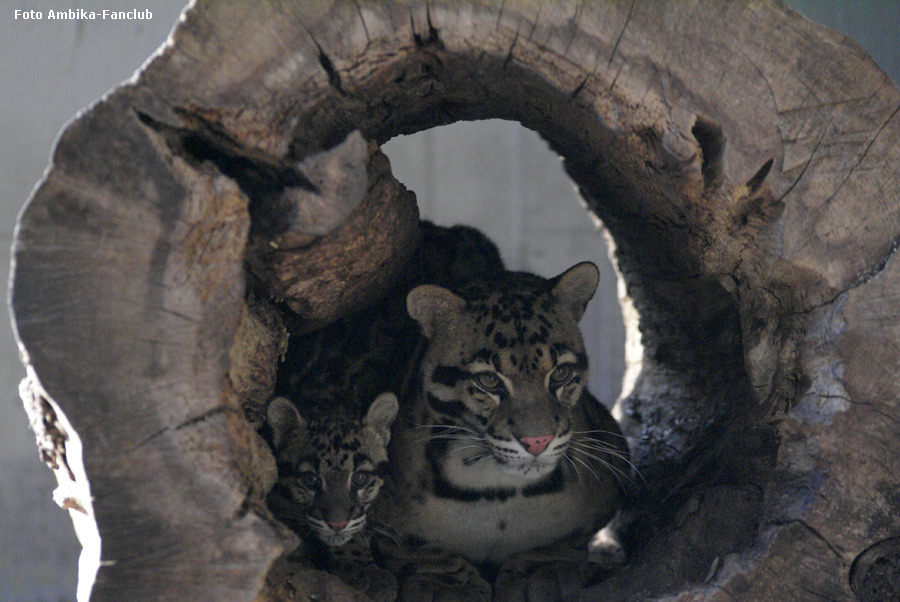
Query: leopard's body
[(500, 456)]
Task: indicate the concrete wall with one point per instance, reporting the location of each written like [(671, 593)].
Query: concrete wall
[(494, 175)]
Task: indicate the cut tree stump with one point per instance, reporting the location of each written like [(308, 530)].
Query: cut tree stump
[(743, 159)]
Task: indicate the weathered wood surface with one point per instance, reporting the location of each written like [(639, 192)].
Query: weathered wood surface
[(769, 308), (322, 274)]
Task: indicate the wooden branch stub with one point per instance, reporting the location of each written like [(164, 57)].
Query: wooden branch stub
[(321, 278), (326, 187)]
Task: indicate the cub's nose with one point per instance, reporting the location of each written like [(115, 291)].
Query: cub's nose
[(337, 526), (536, 445)]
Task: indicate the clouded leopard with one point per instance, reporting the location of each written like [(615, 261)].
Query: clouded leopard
[(331, 462), (329, 422), (500, 458)]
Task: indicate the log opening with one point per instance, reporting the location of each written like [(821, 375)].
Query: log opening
[(746, 272)]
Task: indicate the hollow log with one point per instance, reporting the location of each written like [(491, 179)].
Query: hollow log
[(742, 158)]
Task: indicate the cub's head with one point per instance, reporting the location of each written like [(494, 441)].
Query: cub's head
[(505, 366), (329, 469)]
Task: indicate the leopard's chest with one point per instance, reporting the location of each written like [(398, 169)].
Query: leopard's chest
[(492, 530)]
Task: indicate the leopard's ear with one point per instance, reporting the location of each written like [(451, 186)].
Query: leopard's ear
[(430, 305), (381, 415), (575, 287), (285, 421)]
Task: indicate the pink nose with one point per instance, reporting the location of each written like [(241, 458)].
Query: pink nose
[(337, 526), (535, 445)]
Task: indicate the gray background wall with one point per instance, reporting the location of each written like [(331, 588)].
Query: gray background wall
[(495, 175)]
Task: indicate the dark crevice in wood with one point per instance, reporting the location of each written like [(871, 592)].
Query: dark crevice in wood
[(579, 87), (434, 38), (808, 162), (334, 78), (711, 139), (612, 55), (756, 181), (263, 183), (185, 424)]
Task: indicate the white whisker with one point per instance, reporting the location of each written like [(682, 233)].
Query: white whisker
[(613, 469), (574, 467), (586, 465), (605, 432), (583, 446), (384, 532)]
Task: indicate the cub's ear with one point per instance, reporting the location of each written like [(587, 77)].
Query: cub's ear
[(575, 287), (430, 305), (285, 421), (381, 415)]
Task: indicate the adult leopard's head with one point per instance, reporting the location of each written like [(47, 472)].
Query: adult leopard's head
[(330, 469), (504, 368)]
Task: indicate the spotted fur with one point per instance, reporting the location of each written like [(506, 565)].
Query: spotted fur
[(330, 468), (501, 451)]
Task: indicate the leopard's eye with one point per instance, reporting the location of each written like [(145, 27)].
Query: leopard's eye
[(562, 374), (309, 479), (488, 381), (361, 478)]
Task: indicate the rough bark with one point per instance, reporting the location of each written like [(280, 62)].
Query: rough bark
[(742, 158)]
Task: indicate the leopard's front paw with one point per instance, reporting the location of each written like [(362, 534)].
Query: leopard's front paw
[(463, 584), (428, 588), (378, 584), (541, 583)]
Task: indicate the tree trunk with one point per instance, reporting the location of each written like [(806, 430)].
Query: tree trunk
[(742, 158)]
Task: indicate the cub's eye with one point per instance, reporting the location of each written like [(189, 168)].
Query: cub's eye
[(309, 479), (361, 478), (562, 374), (488, 381)]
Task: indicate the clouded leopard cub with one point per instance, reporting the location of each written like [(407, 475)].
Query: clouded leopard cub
[(329, 426), (500, 459)]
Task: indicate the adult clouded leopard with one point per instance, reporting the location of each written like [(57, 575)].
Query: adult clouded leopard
[(501, 459)]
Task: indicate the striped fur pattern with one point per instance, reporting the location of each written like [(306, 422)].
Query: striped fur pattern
[(330, 471), (501, 451)]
